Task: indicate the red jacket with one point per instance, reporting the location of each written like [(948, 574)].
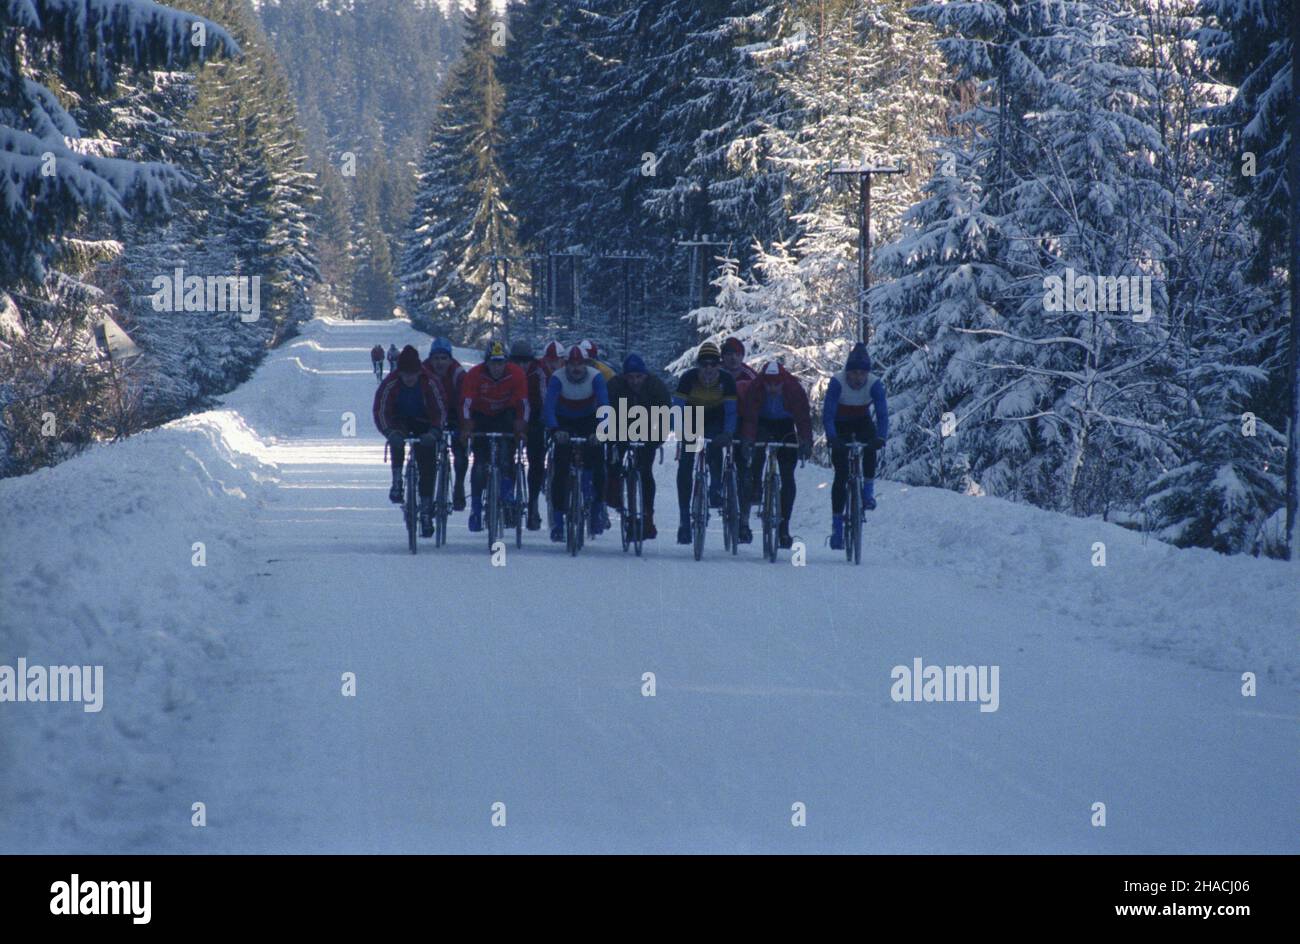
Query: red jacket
[(744, 377), (537, 378), (450, 379), (783, 399), (385, 408), (479, 393)]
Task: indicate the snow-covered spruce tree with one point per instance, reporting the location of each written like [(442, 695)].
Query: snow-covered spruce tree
[(853, 79), (57, 59), (1252, 45), (247, 214), (1064, 149), (1224, 489), (460, 215)]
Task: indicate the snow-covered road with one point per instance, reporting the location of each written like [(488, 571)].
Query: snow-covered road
[(522, 684)]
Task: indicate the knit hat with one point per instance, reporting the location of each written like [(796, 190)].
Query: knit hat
[(440, 344), (733, 344), (633, 364), (576, 356), (589, 349), (409, 360), (708, 350), (771, 371), (496, 351), (522, 348), (552, 350), (859, 359)]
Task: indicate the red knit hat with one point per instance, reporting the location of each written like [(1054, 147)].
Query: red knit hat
[(733, 344), (552, 350), (576, 355)]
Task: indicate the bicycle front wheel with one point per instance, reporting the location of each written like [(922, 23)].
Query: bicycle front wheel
[(411, 511)]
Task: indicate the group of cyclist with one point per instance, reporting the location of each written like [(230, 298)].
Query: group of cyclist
[(551, 404)]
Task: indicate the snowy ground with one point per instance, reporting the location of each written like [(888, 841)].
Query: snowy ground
[(522, 684)]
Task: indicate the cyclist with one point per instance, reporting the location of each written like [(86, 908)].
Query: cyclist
[(450, 374), (774, 409), (521, 355), (636, 386), (392, 357), (573, 396), (552, 359), (846, 416), (408, 401), (377, 360), (733, 362), (590, 351), (494, 399), (707, 387)]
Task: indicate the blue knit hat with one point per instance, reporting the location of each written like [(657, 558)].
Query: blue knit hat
[(440, 344), (859, 359), (633, 364)]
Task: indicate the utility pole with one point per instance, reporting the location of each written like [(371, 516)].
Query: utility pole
[(699, 265), (864, 172)]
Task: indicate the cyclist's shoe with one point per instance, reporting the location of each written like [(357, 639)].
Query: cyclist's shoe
[(476, 515), (715, 495), (869, 494), (785, 542), (557, 531), (743, 534), (837, 532), (648, 530), (395, 493), (684, 534), (426, 517), (458, 501), (534, 519)]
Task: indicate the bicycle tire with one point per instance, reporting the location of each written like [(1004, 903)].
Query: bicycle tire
[(573, 526), (520, 502), (731, 514), (853, 523), (634, 502), (440, 501), (411, 504), (699, 514)]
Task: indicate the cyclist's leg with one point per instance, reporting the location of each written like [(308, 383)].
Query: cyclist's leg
[(646, 465), (839, 484), (426, 459), (460, 465), (684, 467), (560, 480), (536, 447)]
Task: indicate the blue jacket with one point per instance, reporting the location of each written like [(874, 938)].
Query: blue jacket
[(832, 409), (564, 402)]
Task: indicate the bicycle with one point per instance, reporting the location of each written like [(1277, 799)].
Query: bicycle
[(442, 488), (770, 503), (379, 369), (855, 514), (497, 506), (410, 501), (575, 522), (730, 502), (632, 522)]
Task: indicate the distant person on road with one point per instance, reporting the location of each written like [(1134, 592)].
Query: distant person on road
[(774, 409), (408, 402), (377, 360), (846, 416), (392, 357), (709, 388), (444, 367), (636, 386), (521, 355), (573, 396), (494, 399)]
